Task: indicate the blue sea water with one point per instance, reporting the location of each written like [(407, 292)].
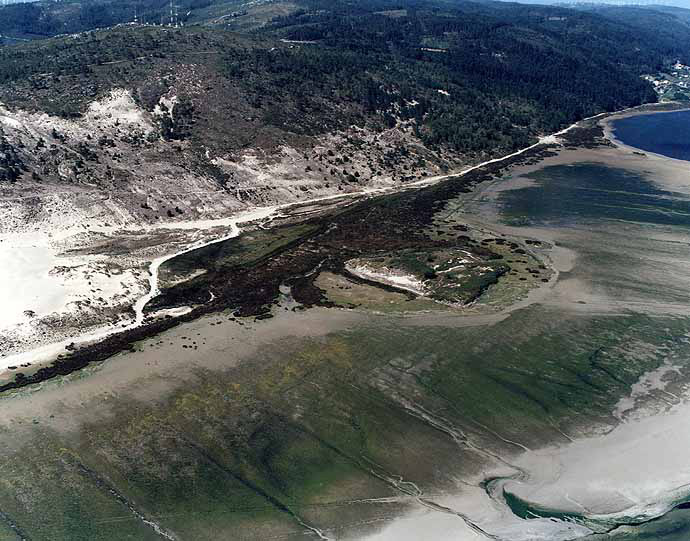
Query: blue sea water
[(662, 133)]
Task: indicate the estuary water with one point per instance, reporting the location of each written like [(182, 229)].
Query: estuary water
[(667, 134)]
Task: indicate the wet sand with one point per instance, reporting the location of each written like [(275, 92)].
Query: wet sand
[(163, 363), (630, 471), (638, 469)]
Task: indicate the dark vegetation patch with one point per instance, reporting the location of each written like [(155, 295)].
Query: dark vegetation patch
[(589, 135), (251, 287), (242, 278)]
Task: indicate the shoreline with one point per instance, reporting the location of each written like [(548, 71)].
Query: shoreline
[(554, 479), (158, 368), (44, 357), (47, 353), (609, 131), (561, 471)]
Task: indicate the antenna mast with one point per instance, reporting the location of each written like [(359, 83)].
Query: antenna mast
[(174, 14)]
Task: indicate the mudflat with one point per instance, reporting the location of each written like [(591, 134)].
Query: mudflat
[(364, 411)]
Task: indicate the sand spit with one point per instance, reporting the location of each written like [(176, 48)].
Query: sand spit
[(391, 277), (637, 472)]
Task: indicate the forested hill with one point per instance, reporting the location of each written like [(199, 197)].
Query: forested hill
[(506, 66), (473, 79), (467, 75)]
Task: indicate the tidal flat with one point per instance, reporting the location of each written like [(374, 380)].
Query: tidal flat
[(361, 411)]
